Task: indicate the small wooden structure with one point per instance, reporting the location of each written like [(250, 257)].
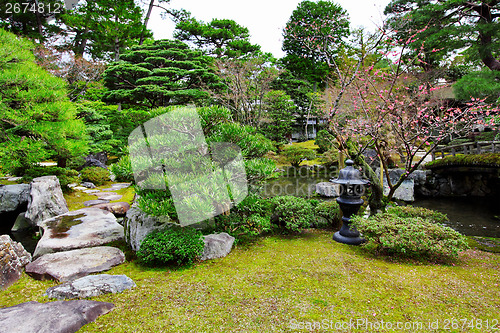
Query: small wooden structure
[(478, 147)]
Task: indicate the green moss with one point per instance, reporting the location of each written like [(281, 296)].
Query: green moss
[(75, 199), (487, 244), (308, 277), (306, 144), (128, 195), (489, 159)]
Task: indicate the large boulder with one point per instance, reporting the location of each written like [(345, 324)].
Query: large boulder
[(13, 257), (86, 227), (46, 200), (138, 225), (217, 246), (97, 160), (13, 197), (117, 208), (90, 286), (69, 265), (405, 191), (51, 317), (327, 189)]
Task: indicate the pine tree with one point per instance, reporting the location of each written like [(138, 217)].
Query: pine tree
[(37, 120)]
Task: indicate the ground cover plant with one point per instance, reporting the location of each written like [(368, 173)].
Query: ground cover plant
[(279, 280)]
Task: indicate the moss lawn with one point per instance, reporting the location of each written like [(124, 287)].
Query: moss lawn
[(280, 281)]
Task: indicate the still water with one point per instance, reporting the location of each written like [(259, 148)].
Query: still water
[(472, 216)]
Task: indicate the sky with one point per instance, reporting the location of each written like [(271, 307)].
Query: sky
[(265, 19)]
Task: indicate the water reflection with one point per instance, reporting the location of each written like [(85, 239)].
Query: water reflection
[(472, 216)]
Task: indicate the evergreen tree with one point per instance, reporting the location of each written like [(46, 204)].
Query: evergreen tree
[(163, 73), (104, 28), (219, 37), (37, 120)]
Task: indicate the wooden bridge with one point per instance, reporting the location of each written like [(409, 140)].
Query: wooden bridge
[(478, 147)]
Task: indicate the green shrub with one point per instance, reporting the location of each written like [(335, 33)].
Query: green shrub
[(65, 176), (424, 213), (292, 213), (173, 245), (413, 237), (95, 175), (329, 210), (324, 140), (295, 155), (123, 169), (156, 203), (238, 225), (330, 157)]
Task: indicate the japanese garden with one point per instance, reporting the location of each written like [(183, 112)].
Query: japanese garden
[(201, 184)]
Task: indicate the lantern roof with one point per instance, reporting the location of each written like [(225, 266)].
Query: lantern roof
[(349, 175)]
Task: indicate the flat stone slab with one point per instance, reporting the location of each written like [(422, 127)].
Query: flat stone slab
[(91, 286), (90, 203), (78, 229), (69, 265), (80, 188), (53, 317), (91, 191), (111, 197), (101, 194)]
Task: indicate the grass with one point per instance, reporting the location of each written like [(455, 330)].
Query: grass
[(306, 144), (75, 199), (262, 287)]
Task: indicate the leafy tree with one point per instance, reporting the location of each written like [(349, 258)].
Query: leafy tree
[(163, 73), (246, 81), (30, 18), (313, 37), (104, 28), (279, 114), (219, 37), (295, 155), (37, 120), (484, 84), (445, 27)]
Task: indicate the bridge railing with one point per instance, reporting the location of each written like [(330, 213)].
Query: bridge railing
[(468, 148)]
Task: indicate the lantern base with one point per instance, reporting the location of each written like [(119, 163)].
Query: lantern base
[(348, 240)]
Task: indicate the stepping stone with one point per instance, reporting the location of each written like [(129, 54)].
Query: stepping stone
[(78, 229), (111, 197), (91, 286), (94, 202), (54, 317), (117, 208), (91, 191), (70, 265), (100, 194), (14, 179), (80, 188)]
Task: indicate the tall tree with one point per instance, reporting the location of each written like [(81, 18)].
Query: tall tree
[(313, 37), (104, 28), (443, 27), (163, 73), (37, 121), (32, 18), (278, 116), (245, 81), (219, 37)]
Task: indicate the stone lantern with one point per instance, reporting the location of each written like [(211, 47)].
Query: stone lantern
[(352, 187)]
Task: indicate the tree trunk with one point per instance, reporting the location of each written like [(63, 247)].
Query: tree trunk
[(146, 20), (485, 38), (61, 162)]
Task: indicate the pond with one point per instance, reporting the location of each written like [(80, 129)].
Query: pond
[(472, 216)]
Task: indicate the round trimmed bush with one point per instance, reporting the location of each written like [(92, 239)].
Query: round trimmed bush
[(329, 210), (95, 175), (414, 237), (292, 213), (173, 245)]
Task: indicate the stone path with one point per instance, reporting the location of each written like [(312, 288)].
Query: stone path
[(68, 237)]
